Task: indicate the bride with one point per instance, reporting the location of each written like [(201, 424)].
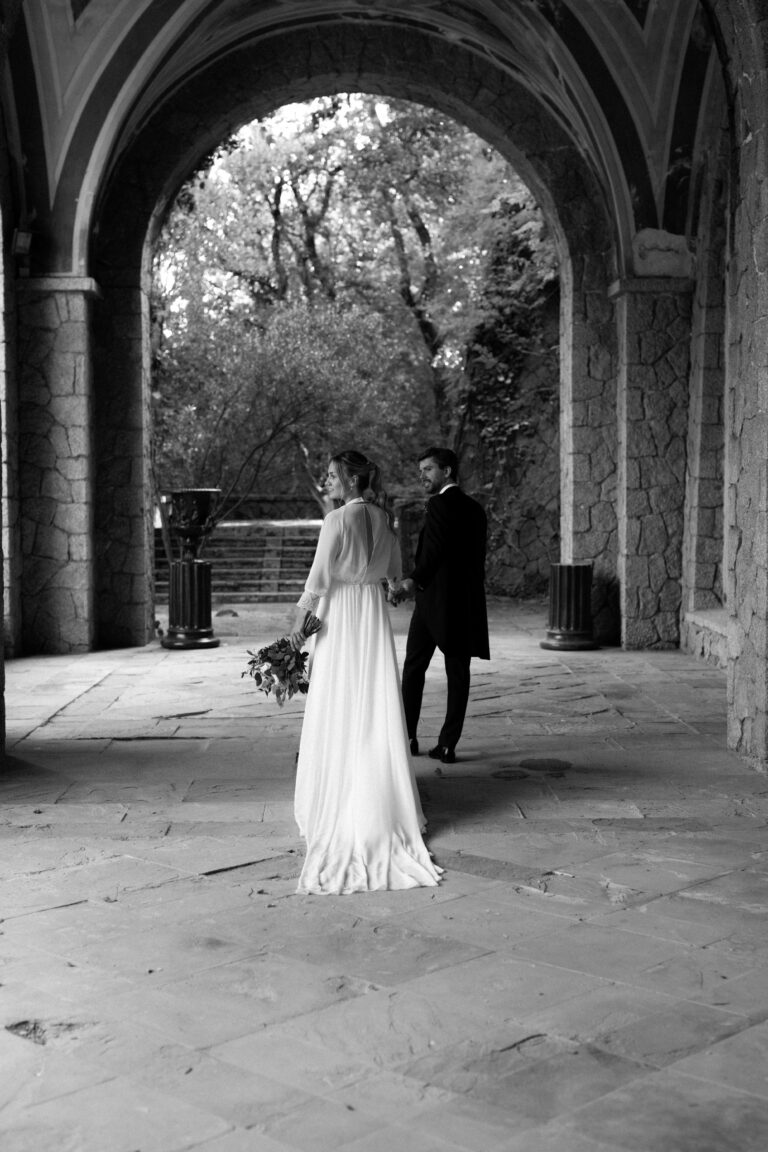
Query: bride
[(356, 800)]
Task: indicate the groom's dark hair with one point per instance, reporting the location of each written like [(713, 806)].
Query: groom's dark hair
[(445, 459)]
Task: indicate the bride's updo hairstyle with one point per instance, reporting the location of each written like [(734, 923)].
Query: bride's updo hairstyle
[(357, 469)]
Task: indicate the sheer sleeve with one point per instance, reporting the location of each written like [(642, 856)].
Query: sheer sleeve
[(321, 572)]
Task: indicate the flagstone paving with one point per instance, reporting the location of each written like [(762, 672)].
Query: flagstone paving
[(591, 975)]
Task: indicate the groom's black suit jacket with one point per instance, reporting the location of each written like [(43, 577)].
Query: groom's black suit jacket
[(449, 573)]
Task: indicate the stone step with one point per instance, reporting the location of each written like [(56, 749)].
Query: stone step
[(251, 562), (237, 567)]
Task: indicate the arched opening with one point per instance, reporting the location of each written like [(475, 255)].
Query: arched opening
[(132, 205), (366, 271)]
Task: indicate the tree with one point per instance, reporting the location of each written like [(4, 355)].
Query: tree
[(330, 273), (276, 401)]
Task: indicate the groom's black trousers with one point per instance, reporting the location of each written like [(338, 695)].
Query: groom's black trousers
[(419, 651)]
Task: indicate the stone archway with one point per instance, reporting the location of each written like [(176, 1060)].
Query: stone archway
[(220, 98)]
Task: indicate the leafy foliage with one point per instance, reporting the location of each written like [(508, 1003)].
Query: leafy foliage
[(340, 273), (519, 294)]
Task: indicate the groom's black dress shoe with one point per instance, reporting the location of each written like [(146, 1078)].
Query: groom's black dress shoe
[(445, 755), (414, 746)]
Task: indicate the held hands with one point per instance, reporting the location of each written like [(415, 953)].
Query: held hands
[(404, 590)]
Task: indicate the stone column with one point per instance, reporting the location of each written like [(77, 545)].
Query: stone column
[(122, 423), (588, 441), (654, 332), (56, 464), (703, 551)]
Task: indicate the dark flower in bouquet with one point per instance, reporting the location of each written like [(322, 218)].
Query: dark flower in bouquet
[(279, 668)]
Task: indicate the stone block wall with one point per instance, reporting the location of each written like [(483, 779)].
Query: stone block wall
[(589, 437), (9, 480), (654, 332), (55, 465), (123, 510), (703, 546)]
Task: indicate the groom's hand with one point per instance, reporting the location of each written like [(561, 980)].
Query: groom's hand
[(407, 590)]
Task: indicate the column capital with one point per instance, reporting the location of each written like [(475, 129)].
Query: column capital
[(84, 285), (650, 285)]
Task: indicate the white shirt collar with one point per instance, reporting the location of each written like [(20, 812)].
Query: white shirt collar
[(450, 484)]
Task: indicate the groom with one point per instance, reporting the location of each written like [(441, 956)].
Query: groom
[(448, 584)]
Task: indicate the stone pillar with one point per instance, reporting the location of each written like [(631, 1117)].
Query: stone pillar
[(55, 466), (654, 334), (11, 535), (122, 422), (703, 549), (588, 529)]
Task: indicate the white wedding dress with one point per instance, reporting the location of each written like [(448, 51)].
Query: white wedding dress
[(356, 800)]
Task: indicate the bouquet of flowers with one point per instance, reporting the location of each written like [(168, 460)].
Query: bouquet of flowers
[(279, 668)]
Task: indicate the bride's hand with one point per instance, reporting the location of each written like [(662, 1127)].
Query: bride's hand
[(395, 594), (297, 637)]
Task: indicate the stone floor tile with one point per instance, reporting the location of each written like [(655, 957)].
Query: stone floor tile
[(535, 1078), (245, 812), (613, 955), (670, 1112), (298, 1063), (87, 1034), (380, 1029), (212, 789), (479, 919), (32, 1073), (532, 843), (166, 952), (474, 1125), (386, 1094), (739, 1062), (745, 889), (393, 906), (605, 1009), (499, 987), (320, 1126), (399, 1138), (232, 999), (103, 879), (202, 854), (183, 898), (552, 1138), (703, 974), (380, 953), (722, 918), (30, 856), (643, 921), (645, 873), (239, 1140), (746, 995), (59, 977), (117, 1115), (244, 1098), (664, 1037)]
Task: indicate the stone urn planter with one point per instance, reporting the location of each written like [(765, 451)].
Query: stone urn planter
[(189, 593)]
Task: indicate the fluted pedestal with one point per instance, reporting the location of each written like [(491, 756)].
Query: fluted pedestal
[(189, 606), (570, 608)]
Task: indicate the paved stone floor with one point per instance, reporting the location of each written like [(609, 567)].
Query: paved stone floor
[(592, 975)]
